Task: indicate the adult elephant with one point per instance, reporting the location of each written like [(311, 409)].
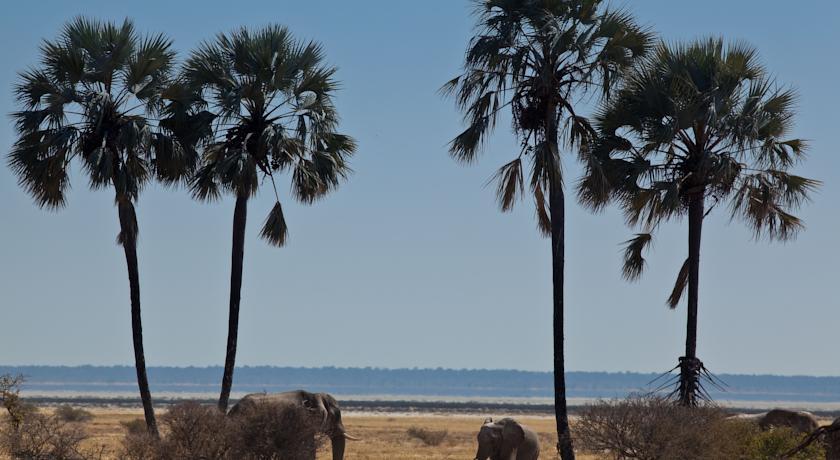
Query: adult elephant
[(323, 407), (506, 439)]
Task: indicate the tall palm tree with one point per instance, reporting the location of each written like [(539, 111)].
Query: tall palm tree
[(94, 97), (271, 98), (695, 125), (536, 58)]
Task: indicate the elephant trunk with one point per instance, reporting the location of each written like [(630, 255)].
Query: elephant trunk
[(338, 442)]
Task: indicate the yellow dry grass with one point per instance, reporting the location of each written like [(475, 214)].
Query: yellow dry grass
[(383, 436)]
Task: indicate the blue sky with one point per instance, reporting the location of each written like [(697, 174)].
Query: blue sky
[(409, 263)]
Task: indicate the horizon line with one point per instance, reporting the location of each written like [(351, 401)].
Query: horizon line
[(378, 368)]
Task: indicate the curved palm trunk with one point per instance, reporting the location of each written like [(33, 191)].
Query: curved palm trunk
[(240, 215), (690, 366), (128, 239)]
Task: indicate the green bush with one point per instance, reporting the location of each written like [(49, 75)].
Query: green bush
[(771, 444)]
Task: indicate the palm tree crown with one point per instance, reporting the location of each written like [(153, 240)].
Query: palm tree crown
[(271, 97), (698, 119), (537, 58), (95, 96), (696, 125)]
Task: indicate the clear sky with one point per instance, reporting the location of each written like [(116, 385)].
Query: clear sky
[(409, 263)]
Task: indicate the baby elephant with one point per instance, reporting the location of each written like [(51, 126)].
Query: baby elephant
[(506, 439)]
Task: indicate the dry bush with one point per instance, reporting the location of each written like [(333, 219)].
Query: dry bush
[(30, 435), (39, 436), (10, 398), (271, 431), (652, 428), (428, 437), (136, 426), (262, 432), (196, 431), (69, 413)]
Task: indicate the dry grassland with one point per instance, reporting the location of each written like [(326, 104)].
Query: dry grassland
[(383, 436)]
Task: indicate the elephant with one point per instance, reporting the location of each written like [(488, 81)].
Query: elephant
[(799, 421), (506, 439), (323, 406)]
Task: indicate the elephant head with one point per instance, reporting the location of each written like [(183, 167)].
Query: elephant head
[(330, 414), (498, 440)]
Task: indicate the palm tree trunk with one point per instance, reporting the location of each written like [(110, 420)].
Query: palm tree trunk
[(557, 210), (690, 365), (240, 215), (128, 239)]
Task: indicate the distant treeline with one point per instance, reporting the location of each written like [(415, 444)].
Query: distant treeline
[(421, 382)]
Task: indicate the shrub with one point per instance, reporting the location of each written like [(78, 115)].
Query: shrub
[(136, 426), (29, 434), (771, 444), (40, 436), (648, 428), (196, 431), (69, 413), (429, 437), (264, 432), (272, 431)]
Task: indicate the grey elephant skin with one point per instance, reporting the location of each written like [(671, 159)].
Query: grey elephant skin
[(799, 421), (323, 407), (507, 439)]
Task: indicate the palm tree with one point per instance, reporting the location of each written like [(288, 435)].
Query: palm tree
[(695, 125), (94, 97), (536, 58), (271, 99)]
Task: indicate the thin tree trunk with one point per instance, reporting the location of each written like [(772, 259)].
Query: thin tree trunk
[(128, 239), (695, 228), (240, 215), (690, 365), (557, 210)]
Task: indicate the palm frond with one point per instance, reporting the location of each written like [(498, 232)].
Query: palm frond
[(509, 184), (274, 228), (634, 261), (679, 286)]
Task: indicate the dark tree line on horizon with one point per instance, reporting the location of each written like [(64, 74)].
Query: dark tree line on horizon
[(679, 130)]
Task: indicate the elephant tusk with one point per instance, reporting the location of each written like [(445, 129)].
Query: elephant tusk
[(351, 438)]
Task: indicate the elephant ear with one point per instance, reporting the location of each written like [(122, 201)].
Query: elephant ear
[(513, 433)]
